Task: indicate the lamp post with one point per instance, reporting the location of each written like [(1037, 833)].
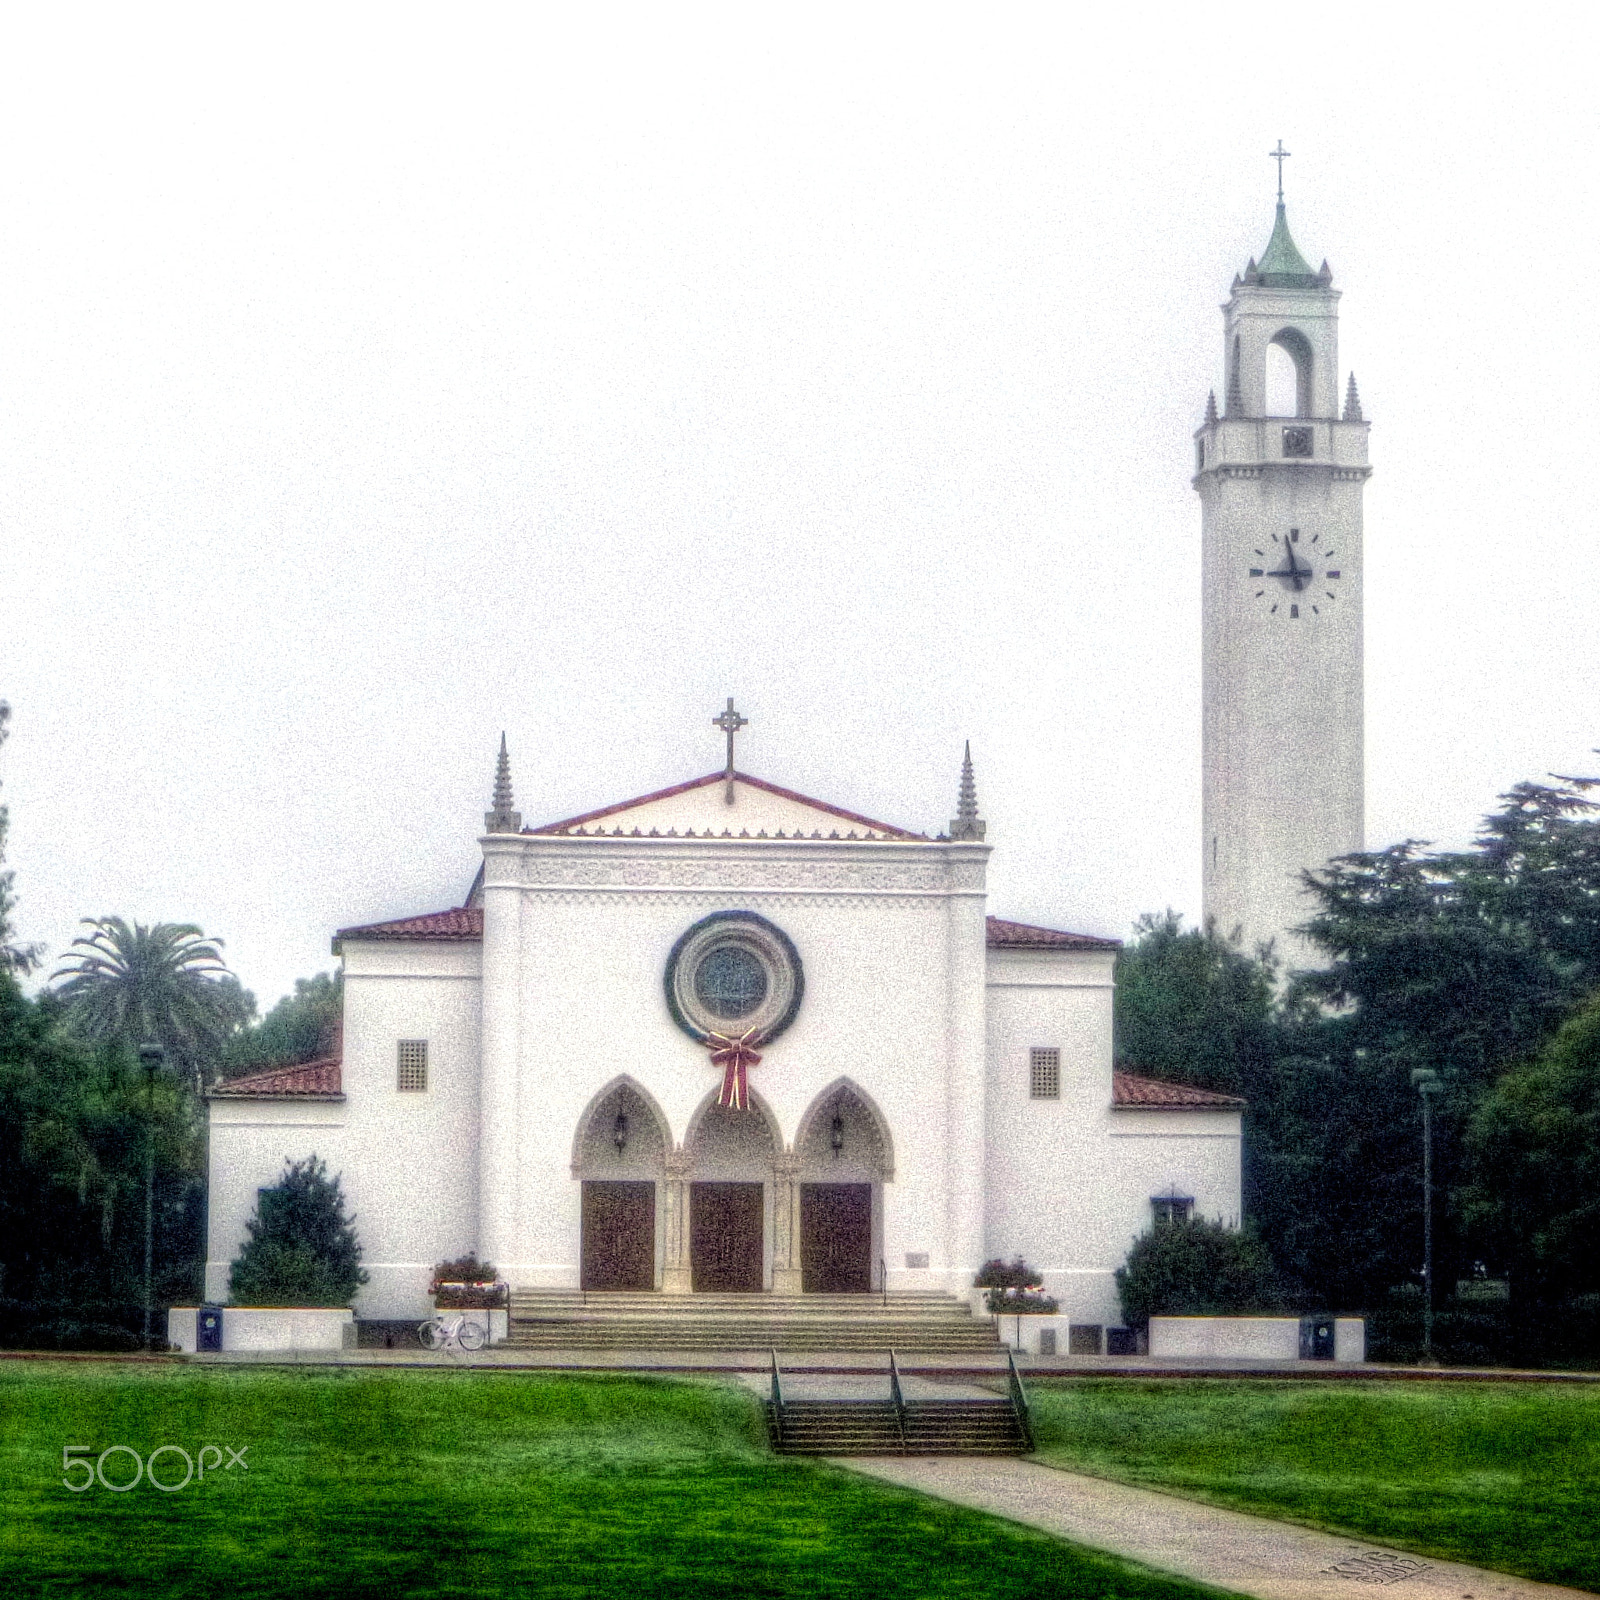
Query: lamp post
[(150, 1058), (1426, 1082)]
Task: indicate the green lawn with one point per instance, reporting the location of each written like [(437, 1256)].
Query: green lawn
[(1503, 1475), (399, 1483)]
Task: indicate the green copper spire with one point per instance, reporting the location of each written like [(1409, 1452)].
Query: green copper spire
[(1282, 266)]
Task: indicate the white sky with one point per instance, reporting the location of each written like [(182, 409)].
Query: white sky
[(372, 380)]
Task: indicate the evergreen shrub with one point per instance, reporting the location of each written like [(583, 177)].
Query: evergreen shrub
[(302, 1248), (1196, 1269)]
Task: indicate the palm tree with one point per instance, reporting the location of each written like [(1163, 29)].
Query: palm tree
[(165, 984)]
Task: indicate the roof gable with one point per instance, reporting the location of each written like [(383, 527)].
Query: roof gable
[(458, 923), (698, 809), (1129, 1091), (1024, 936), (311, 1080)]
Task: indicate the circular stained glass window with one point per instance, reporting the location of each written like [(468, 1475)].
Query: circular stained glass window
[(734, 973), (730, 982)]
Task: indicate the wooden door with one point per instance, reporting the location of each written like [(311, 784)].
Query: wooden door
[(726, 1235), (836, 1238), (619, 1235)]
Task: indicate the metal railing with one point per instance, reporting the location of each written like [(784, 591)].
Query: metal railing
[(1019, 1399), (883, 1281), (777, 1398), (897, 1395)]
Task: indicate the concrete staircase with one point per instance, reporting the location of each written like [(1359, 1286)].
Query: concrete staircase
[(879, 1428), (898, 1426), (562, 1319)]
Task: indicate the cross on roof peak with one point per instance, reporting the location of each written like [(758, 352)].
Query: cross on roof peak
[(730, 722), (1280, 155)]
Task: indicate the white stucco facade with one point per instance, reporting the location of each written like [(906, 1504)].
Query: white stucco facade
[(559, 1077), (1281, 572)]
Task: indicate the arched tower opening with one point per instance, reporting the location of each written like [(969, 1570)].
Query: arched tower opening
[(1289, 374)]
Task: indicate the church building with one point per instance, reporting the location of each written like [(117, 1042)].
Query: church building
[(728, 1038)]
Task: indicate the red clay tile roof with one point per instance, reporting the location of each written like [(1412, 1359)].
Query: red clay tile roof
[(460, 922), (1020, 936), (466, 922), (1151, 1094), (886, 829), (319, 1080)]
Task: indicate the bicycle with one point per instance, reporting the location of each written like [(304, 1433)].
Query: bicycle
[(438, 1333)]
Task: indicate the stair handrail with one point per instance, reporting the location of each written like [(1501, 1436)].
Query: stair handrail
[(777, 1395), (1019, 1399), (897, 1395), (883, 1281)]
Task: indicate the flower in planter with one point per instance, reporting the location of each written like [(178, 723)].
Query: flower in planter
[(464, 1270), (1015, 1289), (1021, 1302)]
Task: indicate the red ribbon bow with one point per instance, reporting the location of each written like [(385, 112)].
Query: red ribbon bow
[(735, 1056)]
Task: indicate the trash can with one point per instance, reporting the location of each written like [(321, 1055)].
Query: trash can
[(1316, 1338), (208, 1328)]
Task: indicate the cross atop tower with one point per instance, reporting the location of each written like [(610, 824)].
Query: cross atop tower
[(730, 722), (1280, 155)]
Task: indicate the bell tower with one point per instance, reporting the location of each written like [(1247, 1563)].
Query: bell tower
[(1280, 490)]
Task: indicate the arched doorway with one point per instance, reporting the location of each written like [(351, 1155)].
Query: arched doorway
[(730, 1168), (843, 1156), (619, 1156)]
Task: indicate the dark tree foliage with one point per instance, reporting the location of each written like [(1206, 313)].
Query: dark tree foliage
[(1465, 962), (166, 983), (14, 957), (302, 1248), (1534, 1147), (301, 1027), (1193, 1008), (73, 1119), (1196, 1269)]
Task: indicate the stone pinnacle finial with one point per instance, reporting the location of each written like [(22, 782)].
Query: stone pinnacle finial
[(502, 819), (1235, 393), (967, 824), (1352, 402), (1211, 406)]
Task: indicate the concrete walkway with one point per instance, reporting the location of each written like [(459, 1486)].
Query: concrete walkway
[(1244, 1554)]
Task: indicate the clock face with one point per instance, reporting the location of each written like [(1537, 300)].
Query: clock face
[(1296, 576)]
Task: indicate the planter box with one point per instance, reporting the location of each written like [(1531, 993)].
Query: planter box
[(1021, 1330), (1247, 1338), (269, 1327), (472, 1296)]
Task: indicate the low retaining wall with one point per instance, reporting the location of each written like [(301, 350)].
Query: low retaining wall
[(269, 1327), (1248, 1338)]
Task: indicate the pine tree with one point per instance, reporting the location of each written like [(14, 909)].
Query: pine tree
[(302, 1249)]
